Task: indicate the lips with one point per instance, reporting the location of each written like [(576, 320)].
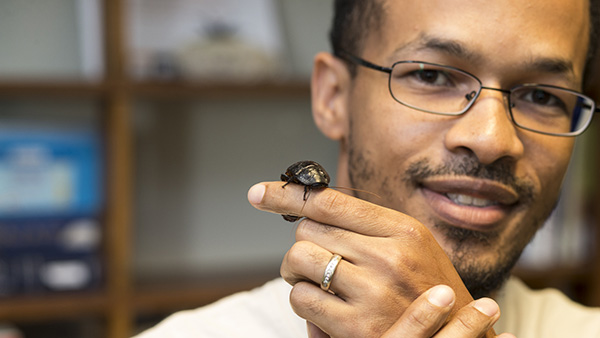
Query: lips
[(466, 202)]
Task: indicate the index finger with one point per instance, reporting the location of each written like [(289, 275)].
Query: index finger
[(329, 206)]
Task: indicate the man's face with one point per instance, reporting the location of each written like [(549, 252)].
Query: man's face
[(480, 184)]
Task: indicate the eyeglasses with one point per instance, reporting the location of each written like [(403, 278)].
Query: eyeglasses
[(445, 90)]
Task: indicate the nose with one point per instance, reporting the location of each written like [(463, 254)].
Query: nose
[(486, 130)]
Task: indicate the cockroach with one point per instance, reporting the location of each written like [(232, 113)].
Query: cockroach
[(311, 175)]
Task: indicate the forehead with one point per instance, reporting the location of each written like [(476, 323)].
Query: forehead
[(493, 32)]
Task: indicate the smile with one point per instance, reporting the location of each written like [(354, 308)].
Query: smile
[(470, 203), (467, 200)]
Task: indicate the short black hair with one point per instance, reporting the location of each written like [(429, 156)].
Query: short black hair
[(353, 20), (594, 25), (594, 38)]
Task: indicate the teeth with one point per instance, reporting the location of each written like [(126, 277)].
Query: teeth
[(470, 200)]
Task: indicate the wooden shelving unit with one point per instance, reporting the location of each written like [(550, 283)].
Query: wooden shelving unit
[(51, 307), (120, 301), (124, 296), (53, 89), (186, 90)]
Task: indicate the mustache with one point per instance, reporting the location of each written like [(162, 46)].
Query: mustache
[(499, 171)]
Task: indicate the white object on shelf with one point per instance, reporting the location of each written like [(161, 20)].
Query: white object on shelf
[(161, 30), (91, 48)]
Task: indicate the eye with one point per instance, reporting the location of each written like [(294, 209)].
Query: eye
[(426, 78), (542, 97), (547, 101), (433, 77)]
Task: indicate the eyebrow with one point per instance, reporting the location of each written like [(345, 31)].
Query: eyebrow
[(551, 65), (547, 65), (450, 47)]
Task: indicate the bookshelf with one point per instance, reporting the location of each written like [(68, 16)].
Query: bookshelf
[(126, 296)]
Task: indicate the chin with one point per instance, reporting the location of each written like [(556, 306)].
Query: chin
[(483, 260)]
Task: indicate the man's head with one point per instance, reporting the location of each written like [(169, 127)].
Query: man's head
[(354, 20), (482, 185)]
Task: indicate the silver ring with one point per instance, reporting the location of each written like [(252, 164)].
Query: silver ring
[(329, 271)]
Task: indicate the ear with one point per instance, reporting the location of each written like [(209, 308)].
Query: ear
[(330, 88)]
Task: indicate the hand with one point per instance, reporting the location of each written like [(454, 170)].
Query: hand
[(426, 317), (390, 259)]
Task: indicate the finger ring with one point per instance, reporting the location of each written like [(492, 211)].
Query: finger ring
[(329, 271)]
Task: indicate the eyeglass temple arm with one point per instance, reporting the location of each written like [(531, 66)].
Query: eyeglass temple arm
[(587, 106), (345, 55), (596, 109)]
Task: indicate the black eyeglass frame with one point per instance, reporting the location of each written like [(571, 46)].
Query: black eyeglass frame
[(362, 62)]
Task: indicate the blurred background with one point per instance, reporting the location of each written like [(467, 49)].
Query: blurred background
[(130, 131)]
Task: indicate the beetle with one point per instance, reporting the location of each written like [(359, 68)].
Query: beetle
[(310, 174)]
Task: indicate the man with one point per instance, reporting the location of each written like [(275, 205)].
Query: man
[(456, 121)]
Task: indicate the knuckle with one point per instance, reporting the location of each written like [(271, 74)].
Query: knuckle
[(298, 253), (304, 230), (467, 323), (394, 261), (336, 233), (302, 302), (407, 229), (285, 270), (360, 328), (415, 233), (420, 321), (309, 230), (374, 328), (331, 203), (302, 262)]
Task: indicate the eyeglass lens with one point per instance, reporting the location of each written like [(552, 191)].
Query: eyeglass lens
[(449, 91)]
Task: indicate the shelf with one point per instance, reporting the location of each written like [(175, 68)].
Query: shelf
[(154, 295), (170, 90), (189, 90), (159, 295), (559, 273), (52, 89), (50, 307)]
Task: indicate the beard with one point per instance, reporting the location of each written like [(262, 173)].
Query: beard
[(481, 277)]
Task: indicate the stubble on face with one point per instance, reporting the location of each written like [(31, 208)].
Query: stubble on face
[(481, 277)]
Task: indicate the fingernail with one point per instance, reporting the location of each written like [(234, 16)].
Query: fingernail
[(256, 193), (486, 306), (441, 296)]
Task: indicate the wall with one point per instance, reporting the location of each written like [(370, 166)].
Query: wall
[(196, 161)]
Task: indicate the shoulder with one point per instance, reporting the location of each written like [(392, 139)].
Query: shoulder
[(261, 312), (544, 313)]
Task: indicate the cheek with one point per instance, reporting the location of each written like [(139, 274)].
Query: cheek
[(390, 131), (549, 161), (383, 144)]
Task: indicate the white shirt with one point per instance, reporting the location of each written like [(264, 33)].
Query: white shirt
[(265, 312), (544, 313)]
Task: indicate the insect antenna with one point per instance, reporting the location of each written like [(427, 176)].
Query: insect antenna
[(359, 190)]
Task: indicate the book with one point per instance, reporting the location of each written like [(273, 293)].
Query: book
[(51, 199)]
